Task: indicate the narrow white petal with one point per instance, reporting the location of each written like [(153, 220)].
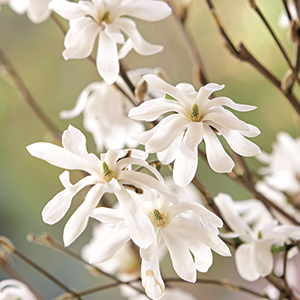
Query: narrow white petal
[(61, 157), (181, 257), (139, 226), (194, 135), (167, 156), (107, 215), (107, 58), (109, 246), (146, 10), (205, 92), (151, 278), (150, 110), (150, 252), (67, 9), (80, 39), (165, 87), (228, 102), (78, 221), (170, 128), (263, 257), (185, 165), (245, 262), (56, 208), (81, 102), (125, 49), (239, 144), (139, 44), (225, 121), (217, 158)]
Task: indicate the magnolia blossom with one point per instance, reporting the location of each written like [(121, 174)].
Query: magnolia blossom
[(110, 174), (283, 20), (196, 118), (254, 258), (105, 115), (283, 171), (182, 236), (106, 19), (37, 10), (12, 289)]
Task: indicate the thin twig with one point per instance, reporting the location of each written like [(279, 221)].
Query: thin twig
[(47, 240), (194, 52), (242, 54), (278, 43), (30, 101)]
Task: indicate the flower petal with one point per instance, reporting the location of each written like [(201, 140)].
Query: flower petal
[(217, 158), (107, 59), (80, 38), (67, 9), (146, 10), (78, 221), (181, 257), (56, 208), (150, 110), (194, 135), (139, 226)]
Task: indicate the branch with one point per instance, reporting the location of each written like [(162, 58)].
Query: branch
[(29, 100)]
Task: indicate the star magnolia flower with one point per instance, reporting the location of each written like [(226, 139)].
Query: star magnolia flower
[(197, 118), (105, 115), (181, 236), (283, 171), (37, 10), (110, 174), (106, 19), (254, 258), (12, 289)]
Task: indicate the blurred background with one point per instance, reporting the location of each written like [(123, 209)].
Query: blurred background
[(27, 184)]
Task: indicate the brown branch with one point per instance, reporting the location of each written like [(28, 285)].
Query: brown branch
[(29, 100), (241, 53)]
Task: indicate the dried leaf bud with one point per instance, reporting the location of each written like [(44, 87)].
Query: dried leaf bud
[(287, 81), (161, 73), (295, 31), (141, 90), (7, 245), (184, 9)]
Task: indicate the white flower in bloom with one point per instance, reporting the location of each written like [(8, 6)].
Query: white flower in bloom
[(181, 236), (109, 174), (284, 21), (37, 10), (283, 171), (105, 115), (254, 258), (12, 289), (197, 118), (108, 19)]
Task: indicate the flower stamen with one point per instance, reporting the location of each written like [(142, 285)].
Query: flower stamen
[(195, 116), (105, 16), (108, 173), (159, 218)]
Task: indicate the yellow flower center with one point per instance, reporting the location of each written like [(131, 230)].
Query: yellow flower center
[(108, 173), (159, 218), (195, 116)]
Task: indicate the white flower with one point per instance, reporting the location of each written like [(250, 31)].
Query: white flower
[(283, 20), (106, 19), (181, 236), (12, 289), (197, 118), (284, 164), (105, 115), (254, 258), (110, 174), (37, 10)]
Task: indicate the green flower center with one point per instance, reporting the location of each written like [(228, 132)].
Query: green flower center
[(105, 16), (159, 218), (108, 173), (195, 116)]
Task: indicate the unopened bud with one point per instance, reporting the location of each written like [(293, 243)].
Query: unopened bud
[(184, 9), (252, 4), (287, 81), (295, 32), (141, 90), (7, 245)]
